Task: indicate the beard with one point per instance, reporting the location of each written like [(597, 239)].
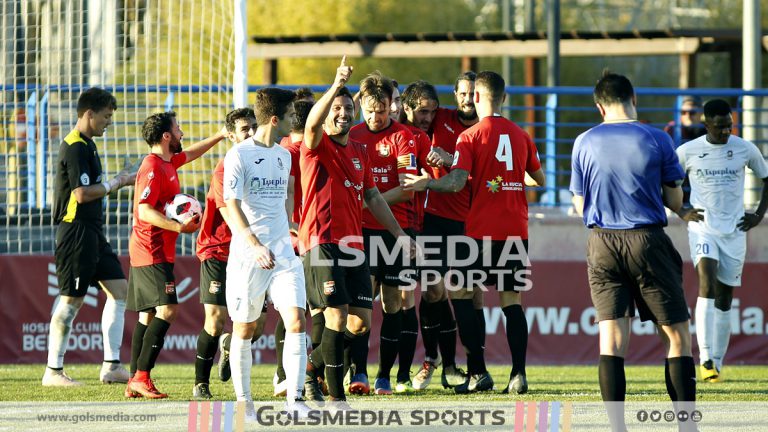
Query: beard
[(464, 115), (175, 146)]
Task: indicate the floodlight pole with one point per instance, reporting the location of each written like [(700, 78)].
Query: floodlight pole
[(751, 79)]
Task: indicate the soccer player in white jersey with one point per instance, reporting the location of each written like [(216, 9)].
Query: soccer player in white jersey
[(717, 225), (261, 260)]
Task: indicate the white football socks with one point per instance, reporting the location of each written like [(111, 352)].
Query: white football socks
[(240, 361), (58, 336), (294, 363), (705, 327), (112, 323), (722, 336)]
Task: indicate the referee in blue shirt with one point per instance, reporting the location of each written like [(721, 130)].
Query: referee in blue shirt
[(623, 175)]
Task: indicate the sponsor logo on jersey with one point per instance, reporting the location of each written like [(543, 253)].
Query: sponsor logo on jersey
[(498, 184), (258, 161), (455, 159), (383, 149), (449, 128), (215, 287), (233, 182), (329, 287), (703, 155), (85, 180)]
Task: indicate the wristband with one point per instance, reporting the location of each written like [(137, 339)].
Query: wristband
[(107, 188)]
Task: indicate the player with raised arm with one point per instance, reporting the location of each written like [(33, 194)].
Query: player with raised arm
[(262, 261), (83, 255), (213, 251), (717, 225), (391, 153), (336, 179), (496, 154), (152, 247)]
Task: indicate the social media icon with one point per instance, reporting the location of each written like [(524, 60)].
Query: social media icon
[(696, 416), (682, 416), (669, 416), (642, 416), (655, 416)]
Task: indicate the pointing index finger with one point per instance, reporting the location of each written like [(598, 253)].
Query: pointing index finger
[(344, 60)]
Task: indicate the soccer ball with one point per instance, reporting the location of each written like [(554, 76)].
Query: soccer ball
[(183, 207)]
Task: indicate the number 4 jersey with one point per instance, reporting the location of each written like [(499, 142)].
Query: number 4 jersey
[(497, 153)]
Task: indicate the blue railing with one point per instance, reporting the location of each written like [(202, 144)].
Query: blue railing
[(555, 121)]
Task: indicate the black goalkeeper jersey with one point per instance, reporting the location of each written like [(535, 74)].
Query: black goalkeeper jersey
[(78, 165)]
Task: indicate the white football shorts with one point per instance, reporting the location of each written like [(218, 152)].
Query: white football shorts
[(248, 285), (729, 250)]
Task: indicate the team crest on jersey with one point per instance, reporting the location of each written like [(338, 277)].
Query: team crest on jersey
[(85, 180), (329, 287), (170, 288), (280, 163), (383, 149), (151, 175), (729, 155), (215, 287), (357, 164)]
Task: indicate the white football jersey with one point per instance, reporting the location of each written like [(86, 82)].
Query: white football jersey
[(258, 177), (716, 173)]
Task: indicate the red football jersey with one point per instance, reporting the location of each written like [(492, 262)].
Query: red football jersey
[(157, 182), (215, 236), (497, 153), (333, 182), (294, 148), (446, 129), (391, 151), (423, 146)]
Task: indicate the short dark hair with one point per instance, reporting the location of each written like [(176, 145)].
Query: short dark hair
[(417, 91), (395, 84), (272, 101), (492, 82), (377, 86), (344, 91), (95, 99), (464, 76), (156, 125), (304, 92), (238, 114), (613, 88), (302, 112), (716, 107)]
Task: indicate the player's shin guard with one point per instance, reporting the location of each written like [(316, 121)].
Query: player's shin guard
[(240, 361), (390, 342), (409, 334), (206, 351), (447, 332), (332, 348), (469, 327), (613, 388), (517, 336), (58, 335), (279, 344), (294, 355), (430, 328), (112, 323), (705, 327), (136, 342), (318, 326), (722, 324), (152, 343)]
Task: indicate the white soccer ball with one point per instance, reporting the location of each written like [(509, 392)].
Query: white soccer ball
[(183, 207)]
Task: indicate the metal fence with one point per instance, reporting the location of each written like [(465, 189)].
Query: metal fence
[(31, 130)]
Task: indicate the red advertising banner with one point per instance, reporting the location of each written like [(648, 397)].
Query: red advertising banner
[(559, 310)]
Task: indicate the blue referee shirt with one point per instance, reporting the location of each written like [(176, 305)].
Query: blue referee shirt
[(619, 169)]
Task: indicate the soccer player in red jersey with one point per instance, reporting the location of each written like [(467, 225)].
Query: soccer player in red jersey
[(444, 216), (152, 247), (391, 152), (496, 154), (213, 252), (336, 179)]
